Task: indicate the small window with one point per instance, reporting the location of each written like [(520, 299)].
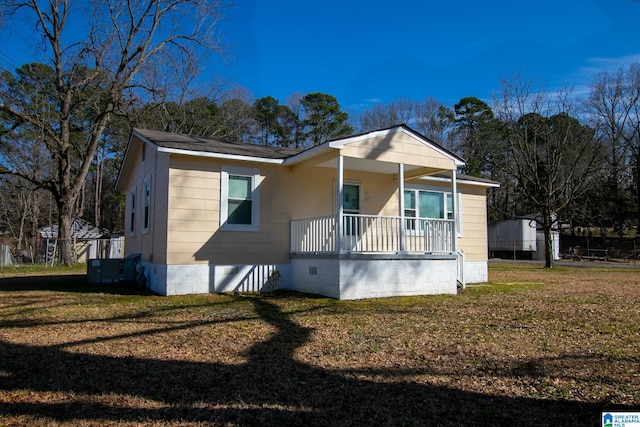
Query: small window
[(410, 209), (132, 212), (239, 199), (146, 203)]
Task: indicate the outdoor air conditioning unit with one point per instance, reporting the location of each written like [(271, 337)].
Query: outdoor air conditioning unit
[(105, 271)]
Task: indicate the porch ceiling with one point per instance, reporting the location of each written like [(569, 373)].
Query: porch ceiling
[(377, 166)]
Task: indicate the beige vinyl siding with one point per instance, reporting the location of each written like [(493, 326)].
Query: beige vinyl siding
[(159, 207), (310, 193), (134, 179), (194, 235), (314, 193), (193, 217), (474, 223), (150, 245), (399, 148), (194, 207)]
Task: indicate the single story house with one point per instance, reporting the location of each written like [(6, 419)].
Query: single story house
[(369, 215)]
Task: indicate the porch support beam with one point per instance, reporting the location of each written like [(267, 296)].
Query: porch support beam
[(456, 214), (403, 234), (419, 173), (340, 204)]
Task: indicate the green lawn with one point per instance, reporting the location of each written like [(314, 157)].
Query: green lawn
[(532, 347)]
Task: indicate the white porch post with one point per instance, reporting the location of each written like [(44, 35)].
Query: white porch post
[(340, 203), (402, 227), (454, 208)]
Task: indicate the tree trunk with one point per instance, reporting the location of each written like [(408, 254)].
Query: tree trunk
[(636, 179), (35, 217), (23, 220), (548, 244), (65, 245), (98, 191)]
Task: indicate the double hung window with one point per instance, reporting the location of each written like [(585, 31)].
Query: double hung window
[(239, 201)]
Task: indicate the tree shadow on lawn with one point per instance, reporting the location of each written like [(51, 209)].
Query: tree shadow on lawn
[(69, 283), (271, 388)]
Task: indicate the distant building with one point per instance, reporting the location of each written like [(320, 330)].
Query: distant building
[(520, 238)]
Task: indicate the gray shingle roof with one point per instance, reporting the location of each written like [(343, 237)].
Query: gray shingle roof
[(208, 145)]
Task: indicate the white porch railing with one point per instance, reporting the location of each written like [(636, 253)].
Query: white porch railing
[(372, 234)]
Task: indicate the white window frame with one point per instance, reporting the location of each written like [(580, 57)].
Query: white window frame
[(131, 212), (445, 194), (146, 205), (252, 173), (458, 216)]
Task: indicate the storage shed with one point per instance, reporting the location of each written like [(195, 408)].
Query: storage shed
[(519, 238)]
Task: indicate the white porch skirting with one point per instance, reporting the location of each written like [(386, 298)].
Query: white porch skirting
[(183, 279), (355, 278), (372, 278)]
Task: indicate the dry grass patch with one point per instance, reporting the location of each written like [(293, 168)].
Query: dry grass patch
[(532, 347)]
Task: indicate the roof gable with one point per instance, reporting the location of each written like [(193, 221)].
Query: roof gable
[(395, 133), (390, 147)]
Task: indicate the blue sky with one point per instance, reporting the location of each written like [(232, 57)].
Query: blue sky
[(367, 52)]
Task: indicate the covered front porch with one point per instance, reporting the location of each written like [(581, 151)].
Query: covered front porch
[(374, 256), (376, 243)]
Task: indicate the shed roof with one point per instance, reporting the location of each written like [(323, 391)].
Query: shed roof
[(80, 229)]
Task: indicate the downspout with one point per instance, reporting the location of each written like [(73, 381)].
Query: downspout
[(403, 224), (340, 203)]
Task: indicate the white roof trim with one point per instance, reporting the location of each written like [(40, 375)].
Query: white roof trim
[(219, 155)]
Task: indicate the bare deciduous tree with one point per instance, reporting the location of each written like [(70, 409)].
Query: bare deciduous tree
[(614, 106), (117, 49), (552, 156)]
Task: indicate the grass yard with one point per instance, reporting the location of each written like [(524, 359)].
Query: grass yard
[(532, 347)]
